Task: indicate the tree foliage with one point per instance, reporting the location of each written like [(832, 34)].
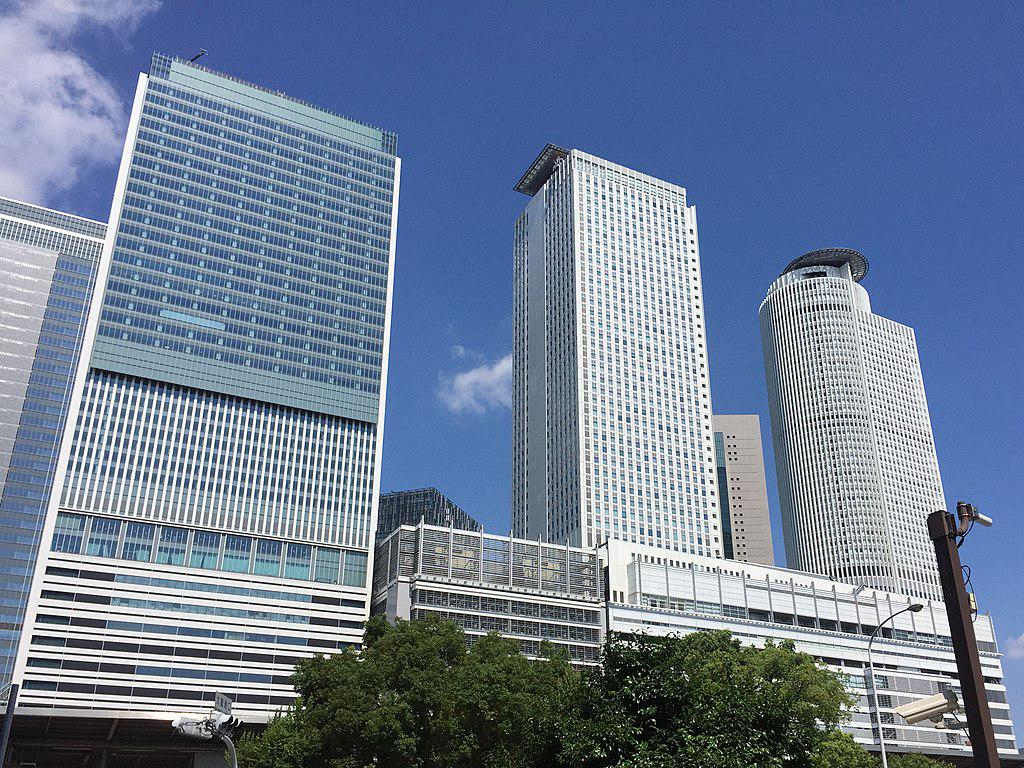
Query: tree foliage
[(916, 761), (701, 700), (416, 697), (839, 750)]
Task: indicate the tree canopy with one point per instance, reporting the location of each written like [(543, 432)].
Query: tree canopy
[(701, 700), (416, 697)]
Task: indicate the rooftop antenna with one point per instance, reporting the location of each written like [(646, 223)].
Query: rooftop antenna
[(202, 52)]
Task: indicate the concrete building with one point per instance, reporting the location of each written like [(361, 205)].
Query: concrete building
[(526, 590), (427, 504), (742, 492), (48, 263), (217, 498), (854, 452), (662, 592), (611, 401)]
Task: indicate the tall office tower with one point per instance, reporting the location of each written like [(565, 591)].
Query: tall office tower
[(47, 268), (611, 402), (742, 492), (426, 505), (854, 452), (219, 491)]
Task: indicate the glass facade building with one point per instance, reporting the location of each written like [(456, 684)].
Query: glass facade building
[(529, 591), (223, 471), (427, 504), (48, 264)]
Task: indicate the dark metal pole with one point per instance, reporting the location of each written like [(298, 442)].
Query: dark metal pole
[(942, 528), (5, 733)]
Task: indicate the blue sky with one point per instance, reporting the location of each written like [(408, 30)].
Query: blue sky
[(891, 128)]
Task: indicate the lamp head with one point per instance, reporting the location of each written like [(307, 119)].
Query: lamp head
[(916, 608)]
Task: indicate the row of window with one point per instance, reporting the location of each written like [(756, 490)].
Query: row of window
[(502, 606), (170, 545)]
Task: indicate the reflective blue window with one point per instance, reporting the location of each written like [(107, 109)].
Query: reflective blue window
[(327, 563), (138, 542), (236, 553), (268, 558), (171, 548), (67, 536), (297, 561), (103, 535), (355, 569), (205, 548)]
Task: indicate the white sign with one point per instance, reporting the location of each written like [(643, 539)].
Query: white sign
[(222, 703)]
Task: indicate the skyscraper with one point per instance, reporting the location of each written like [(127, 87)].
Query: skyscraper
[(854, 452), (47, 268), (742, 492), (611, 401), (219, 490)]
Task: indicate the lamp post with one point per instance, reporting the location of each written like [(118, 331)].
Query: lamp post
[(913, 608)]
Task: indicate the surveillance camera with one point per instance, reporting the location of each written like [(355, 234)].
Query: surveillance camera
[(929, 708), (981, 519)]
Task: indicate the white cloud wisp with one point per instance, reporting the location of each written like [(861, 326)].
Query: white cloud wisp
[(59, 116), (479, 389), (1014, 647)]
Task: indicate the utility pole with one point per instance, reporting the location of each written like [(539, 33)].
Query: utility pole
[(944, 532)]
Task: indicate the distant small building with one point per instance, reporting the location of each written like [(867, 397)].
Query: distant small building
[(400, 508), (742, 493)]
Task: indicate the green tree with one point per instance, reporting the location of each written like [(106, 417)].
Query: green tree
[(415, 697), (914, 760), (703, 701), (839, 750)]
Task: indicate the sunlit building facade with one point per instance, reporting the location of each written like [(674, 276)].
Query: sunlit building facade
[(218, 493), (48, 262), (612, 432), (854, 453)]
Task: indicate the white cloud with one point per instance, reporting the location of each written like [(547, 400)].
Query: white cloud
[(59, 116), (1014, 647), (479, 389)]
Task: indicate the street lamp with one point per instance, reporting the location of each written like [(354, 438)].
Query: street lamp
[(913, 608)]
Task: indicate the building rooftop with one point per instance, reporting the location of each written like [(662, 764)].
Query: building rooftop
[(540, 170), (38, 214), (832, 257), (161, 64)]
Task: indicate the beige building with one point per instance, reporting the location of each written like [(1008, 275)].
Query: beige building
[(742, 492)]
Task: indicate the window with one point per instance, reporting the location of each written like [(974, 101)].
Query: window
[(205, 548), (297, 561), (171, 547), (236, 553), (103, 537), (67, 535), (328, 562), (138, 542), (268, 558), (355, 569)]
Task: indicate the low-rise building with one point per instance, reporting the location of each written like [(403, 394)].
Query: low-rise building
[(526, 590), (664, 592)]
